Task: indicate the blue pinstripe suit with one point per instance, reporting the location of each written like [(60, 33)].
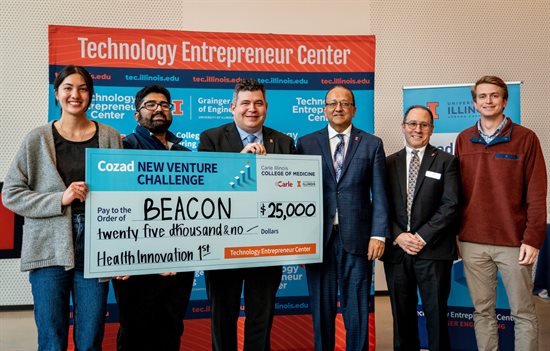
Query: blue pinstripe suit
[(360, 196)]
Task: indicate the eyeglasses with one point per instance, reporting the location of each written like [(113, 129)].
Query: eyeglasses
[(152, 105), (413, 124), (344, 104)]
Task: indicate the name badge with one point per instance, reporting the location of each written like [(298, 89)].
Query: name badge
[(433, 175)]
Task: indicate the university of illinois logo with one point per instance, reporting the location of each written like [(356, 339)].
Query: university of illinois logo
[(433, 107)]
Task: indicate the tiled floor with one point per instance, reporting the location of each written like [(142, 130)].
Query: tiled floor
[(18, 332)]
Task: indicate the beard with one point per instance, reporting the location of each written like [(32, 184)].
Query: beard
[(155, 126)]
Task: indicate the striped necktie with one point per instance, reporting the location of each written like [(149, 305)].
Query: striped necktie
[(413, 174), (339, 156)]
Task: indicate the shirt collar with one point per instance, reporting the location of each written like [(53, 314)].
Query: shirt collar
[(332, 133), (497, 131), (420, 150), (243, 134)]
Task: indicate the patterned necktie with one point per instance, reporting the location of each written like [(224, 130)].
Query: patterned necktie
[(250, 139), (339, 156), (413, 174)]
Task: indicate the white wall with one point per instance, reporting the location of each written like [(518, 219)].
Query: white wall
[(419, 42)]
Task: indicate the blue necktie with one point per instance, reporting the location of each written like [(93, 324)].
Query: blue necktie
[(339, 156), (250, 139)]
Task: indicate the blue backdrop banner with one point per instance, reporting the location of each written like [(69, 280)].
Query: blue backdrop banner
[(201, 69)]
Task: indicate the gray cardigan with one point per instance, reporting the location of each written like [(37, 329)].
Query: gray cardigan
[(33, 188)]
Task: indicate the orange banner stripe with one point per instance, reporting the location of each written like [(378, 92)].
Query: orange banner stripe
[(124, 47)]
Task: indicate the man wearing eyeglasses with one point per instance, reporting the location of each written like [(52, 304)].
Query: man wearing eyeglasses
[(423, 193), (246, 134), (355, 221), (152, 307)]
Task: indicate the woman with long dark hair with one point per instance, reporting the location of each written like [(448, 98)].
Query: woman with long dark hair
[(45, 184)]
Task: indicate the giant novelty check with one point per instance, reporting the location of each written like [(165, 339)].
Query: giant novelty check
[(155, 211)]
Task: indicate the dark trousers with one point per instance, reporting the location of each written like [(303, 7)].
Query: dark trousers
[(433, 279), (151, 310), (224, 288), (352, 275)]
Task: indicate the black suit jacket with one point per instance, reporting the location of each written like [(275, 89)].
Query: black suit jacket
[(226, 138), (261, 282), (435, 210)]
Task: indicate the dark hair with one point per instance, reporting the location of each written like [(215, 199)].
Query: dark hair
[(491, 80), (343, 87), (140, 95), (247, 85), (72, 69), (422, 108)]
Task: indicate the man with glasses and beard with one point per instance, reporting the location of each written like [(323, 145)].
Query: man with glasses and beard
[(152, 307)]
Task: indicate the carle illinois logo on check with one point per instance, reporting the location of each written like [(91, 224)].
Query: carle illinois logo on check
[(284, 184)]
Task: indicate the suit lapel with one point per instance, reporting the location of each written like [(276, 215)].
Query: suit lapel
[(233, 138), (269, 142), (354, 140), (402, 175), (427, 160), (324, 145)]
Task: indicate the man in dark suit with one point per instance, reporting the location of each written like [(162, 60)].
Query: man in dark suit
[(423, 190), (151, 307), (355, 222), (247, 135)]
